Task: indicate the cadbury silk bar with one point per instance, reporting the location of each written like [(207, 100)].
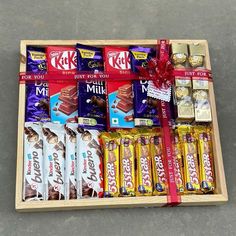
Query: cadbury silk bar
[(89, 164), (145, 108), (71, 161), (92, 98), (37, 100), (54, 161), (33, 186)]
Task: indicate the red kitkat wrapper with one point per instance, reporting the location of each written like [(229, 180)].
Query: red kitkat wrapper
[(62, 60), (119, 93)]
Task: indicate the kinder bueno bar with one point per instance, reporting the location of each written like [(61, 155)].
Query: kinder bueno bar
[(71, 161), (92, 105), (145, 108), (111, 142), (33, 162), (36, 60), (37, 102), (54, 161), (63, 96), (140, 56), (90, 165), (89, 58)]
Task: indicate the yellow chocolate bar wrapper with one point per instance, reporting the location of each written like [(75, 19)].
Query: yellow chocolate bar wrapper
[(143, 158), (207, 176), (127, 168), (111, 143), (179, 176), (158, 165), (191, 169)]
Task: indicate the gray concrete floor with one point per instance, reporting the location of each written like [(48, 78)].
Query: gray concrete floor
[(214, 20)]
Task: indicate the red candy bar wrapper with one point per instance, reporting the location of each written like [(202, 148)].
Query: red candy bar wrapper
[(119, 93), (90, 165), (33, 162), (71, 161), (63, 95), (54, 161)]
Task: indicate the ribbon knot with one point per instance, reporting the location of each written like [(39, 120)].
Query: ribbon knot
[(159, 71)]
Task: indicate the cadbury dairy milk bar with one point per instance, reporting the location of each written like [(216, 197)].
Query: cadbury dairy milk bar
[(71, 159), (37, 100), (92, 105), (89, 164), (33, 162), (54, 161), (145, 108), (92, 97)]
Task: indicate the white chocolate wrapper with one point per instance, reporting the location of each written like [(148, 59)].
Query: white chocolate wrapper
[(33, 186), (54, 161)]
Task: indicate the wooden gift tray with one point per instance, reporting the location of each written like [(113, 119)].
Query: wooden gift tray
[(220, 196)]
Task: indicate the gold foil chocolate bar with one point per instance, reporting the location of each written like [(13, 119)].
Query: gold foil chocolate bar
[(127, 161), (205, 154), (111, 147), (191, 169)]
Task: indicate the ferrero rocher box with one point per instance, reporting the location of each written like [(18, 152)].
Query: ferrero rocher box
[(194, 101)]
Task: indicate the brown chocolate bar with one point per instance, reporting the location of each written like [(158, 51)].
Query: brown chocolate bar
[(69, 90), (125, 99), (67, 108), (127, 88), (123, 106), (73, 100)]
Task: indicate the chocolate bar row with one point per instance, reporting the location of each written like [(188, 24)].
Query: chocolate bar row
[(61, 162), (67, 162), (125, 103)]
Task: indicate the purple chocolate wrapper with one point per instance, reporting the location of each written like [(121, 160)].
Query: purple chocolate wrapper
[(145, 108), (37, 102), (138, 57), (36, 60), (92, 105), (89, 58)]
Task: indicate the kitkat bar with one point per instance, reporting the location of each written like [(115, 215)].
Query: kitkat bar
[(119, 93), (63, 95)]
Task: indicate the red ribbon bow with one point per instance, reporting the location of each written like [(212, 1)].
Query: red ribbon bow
[(159, 71)]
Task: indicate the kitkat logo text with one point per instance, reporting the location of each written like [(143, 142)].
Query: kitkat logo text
[(119, 60), (63, 60)]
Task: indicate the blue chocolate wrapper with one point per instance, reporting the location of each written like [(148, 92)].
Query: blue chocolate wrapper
[(140, 56), (36, 60), (89, 58), (145, 108), (92, 105), (37, 102)]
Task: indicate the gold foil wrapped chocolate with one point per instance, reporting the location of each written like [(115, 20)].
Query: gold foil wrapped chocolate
[(179, 53), (197, 55)]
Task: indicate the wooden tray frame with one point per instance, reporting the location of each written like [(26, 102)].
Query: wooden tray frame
[(219, 197)]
